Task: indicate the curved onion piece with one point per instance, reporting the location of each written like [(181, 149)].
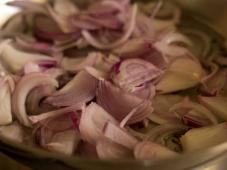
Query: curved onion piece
[(201, 41), (106, 149), (37, 118), (119, 135), (81, 88), (166, 135), (182, 74), (24, 86), (216, 81), (167, 44), (161, 105), (51, 31), (92, 122), (205, 137), (64, 142), (144, 27), (193, 114), (222, 60), (57, 134), (28, 5), (15, 59), (90, 39), (5, 105), (152, 151), (13, 131), (120, 103), (60, 15), (132, 73), (136, 47), (35, 46), (33, 101), (217, 105)]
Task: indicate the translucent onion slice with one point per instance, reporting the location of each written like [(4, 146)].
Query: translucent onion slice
[(119, 135), (29, 5), (5, 105), (90, 39), (120, 103), (23, 88), (205, 137), (136, 47), (152, 151), (37, 118), (81, 88), (193, 110), (217, 105), (183, 73), (110, 150), (133, 73), (214, 83), (58, 134), (15, 59), (92, 122), (61, 16)]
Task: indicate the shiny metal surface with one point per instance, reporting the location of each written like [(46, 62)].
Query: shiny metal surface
[(215, 12)]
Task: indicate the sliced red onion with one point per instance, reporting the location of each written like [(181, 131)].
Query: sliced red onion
[(31, 67), (64, 142), (92, 122), (51, 31), (35, 46), (13, 132), (33, 101), (156, 58), (161, 130), (101, 9), (194, 110), (81, 88), (90, 39), (37, 118), (61, 16), (215, 82), (152, 151), (28, 5), (57, 134), (119, 136), (24, 86), (205, 137), (133, 73), (109, 150), (5, 105), (117, 5), (133, 48), (15, 60), (144, 28), (183, 73), (120, 103), (217, 105), (84, 22)]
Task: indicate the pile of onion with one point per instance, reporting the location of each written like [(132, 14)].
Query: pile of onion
[(111, 80)]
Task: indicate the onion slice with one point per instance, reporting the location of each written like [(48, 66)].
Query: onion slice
[(81, 88), (120, 103), (24, 86), (92, 122), (118, 135), (90, 39), (152, 151)]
